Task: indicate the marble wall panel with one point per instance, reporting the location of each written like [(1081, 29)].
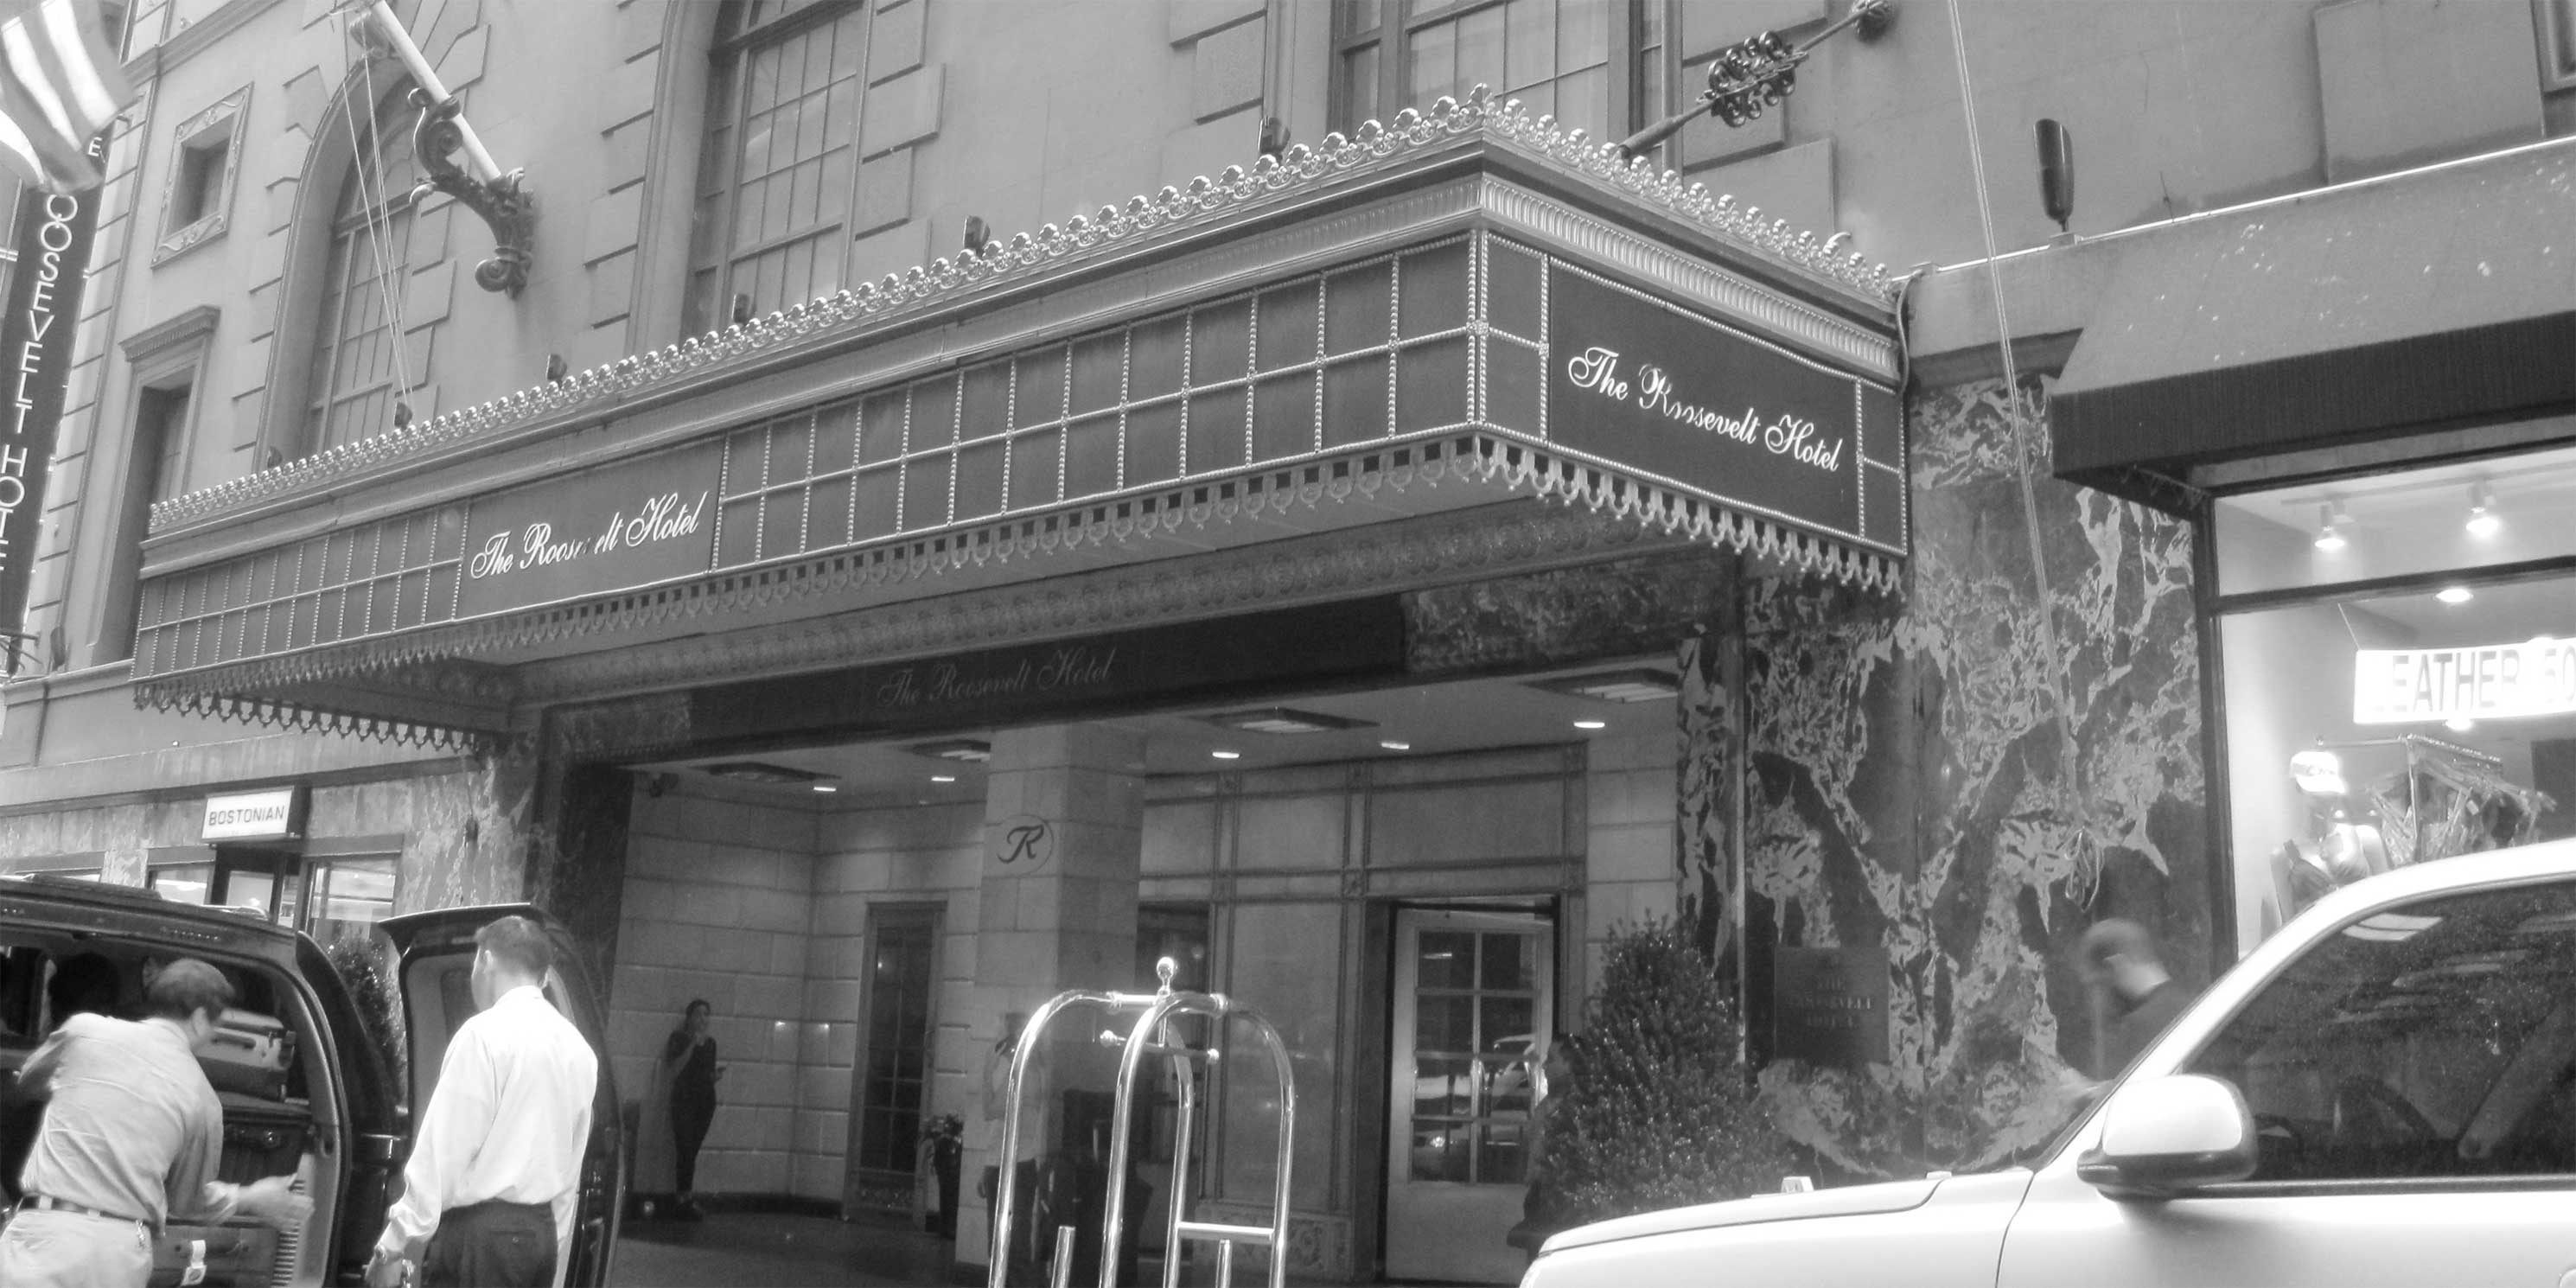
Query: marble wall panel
[(1969, 783)]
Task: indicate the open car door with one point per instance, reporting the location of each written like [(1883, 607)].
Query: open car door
[(436, 950)]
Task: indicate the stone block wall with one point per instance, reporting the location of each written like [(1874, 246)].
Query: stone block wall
[(925, 856), (716, 906), (762, 909)]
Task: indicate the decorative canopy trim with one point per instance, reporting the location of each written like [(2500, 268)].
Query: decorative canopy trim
[(1574, 482), (175, 694), (1166, 215), (435, 664)]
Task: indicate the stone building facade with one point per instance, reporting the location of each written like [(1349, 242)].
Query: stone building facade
[(1294, 563)]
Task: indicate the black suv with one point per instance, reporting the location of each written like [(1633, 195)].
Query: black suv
[(306, 1090)]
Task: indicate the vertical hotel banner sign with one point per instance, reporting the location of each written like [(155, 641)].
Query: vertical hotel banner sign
[(54, 232)]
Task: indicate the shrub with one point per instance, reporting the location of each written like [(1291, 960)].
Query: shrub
[(1661, 1112)]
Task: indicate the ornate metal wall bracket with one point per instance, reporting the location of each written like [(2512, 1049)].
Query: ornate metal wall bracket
[(1751, 75), (503, 202)]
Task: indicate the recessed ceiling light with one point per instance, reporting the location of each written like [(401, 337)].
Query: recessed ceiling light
[(943, 778), (2331, 521), (1591, 724), (1392, 745), (1281, 720), (2459, 724), (963, 750), (2483, 520), (2454, 595), (1227, 755), (825, 787), (1642, 684)]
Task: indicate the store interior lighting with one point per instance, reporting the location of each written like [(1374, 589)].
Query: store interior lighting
[(2483, 519), (2454, 594), (2331, 521)]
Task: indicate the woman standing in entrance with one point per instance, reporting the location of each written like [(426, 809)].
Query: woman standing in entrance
[(689, 1060)]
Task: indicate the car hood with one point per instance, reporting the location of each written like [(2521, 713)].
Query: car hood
[(1855, 1200)]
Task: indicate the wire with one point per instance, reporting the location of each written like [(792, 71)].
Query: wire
[(2026, 457), (375, 212)]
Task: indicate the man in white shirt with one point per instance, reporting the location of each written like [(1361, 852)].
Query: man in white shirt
[(496, 1165)]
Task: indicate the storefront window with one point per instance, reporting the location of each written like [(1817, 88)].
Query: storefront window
[(350, 891), (2406, 695), (183, 882)]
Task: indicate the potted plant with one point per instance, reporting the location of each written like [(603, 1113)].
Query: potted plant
[(947, 1136)]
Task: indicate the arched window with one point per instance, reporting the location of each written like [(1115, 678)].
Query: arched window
[(780, 159), (360, 367)]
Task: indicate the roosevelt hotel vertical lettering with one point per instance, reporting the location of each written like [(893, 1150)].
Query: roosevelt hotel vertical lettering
[(36, 339)]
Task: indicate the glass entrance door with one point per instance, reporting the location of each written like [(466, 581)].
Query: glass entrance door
[(894, 1056), (1474, 996)]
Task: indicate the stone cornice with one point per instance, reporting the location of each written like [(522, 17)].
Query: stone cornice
[(1301, 183), (194, 39), (161, 337)]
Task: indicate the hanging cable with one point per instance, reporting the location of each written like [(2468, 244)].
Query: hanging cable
[(375, 211), (380, 217), (2026, 454)]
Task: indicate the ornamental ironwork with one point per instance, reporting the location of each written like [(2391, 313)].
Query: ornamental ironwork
[(1756, 74)]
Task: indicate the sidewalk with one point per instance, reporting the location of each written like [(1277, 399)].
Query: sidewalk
[(764, 1248)]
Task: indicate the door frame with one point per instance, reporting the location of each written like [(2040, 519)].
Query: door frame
[(908, 913), (1407, 919)]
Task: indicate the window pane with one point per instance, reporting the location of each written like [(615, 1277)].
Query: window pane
[(1448, 959), (2434, 1041), (1360, 85), (1433, 66), (1480, 51), (2373, 732), (1532, 44)]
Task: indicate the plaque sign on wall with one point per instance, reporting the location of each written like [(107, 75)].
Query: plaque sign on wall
[(1829, 1005)]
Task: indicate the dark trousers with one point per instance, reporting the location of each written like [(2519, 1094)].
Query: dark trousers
[(689, 1122), (491, 1245)]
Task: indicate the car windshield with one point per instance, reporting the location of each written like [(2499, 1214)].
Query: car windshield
[(2436, 1039)]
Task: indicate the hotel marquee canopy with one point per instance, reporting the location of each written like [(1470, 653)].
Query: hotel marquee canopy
[(1461, 310)]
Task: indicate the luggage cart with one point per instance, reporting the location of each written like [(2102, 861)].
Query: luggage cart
[(1149, 1036)]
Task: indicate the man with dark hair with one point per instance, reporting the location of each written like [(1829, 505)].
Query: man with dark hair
[(496, 1166), (132, 1137)]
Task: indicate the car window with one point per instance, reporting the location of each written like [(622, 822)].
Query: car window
[(2437, 1039)]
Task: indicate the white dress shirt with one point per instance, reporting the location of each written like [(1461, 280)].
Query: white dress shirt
[(508, 1121)]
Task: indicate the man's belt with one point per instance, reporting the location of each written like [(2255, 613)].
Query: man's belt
[(48, 1203)]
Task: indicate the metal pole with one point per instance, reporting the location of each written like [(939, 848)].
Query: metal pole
[(1183, 1140), (1004, 1191), (427, 78)]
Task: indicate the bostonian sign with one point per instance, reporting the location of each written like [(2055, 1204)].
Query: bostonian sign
[(629, 524)]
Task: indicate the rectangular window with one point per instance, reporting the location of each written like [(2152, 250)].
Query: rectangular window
[(1553, 55), (198, 190), (157, 471), (779, 164)]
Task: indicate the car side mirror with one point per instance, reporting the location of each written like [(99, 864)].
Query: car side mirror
[(2164, 1136)]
